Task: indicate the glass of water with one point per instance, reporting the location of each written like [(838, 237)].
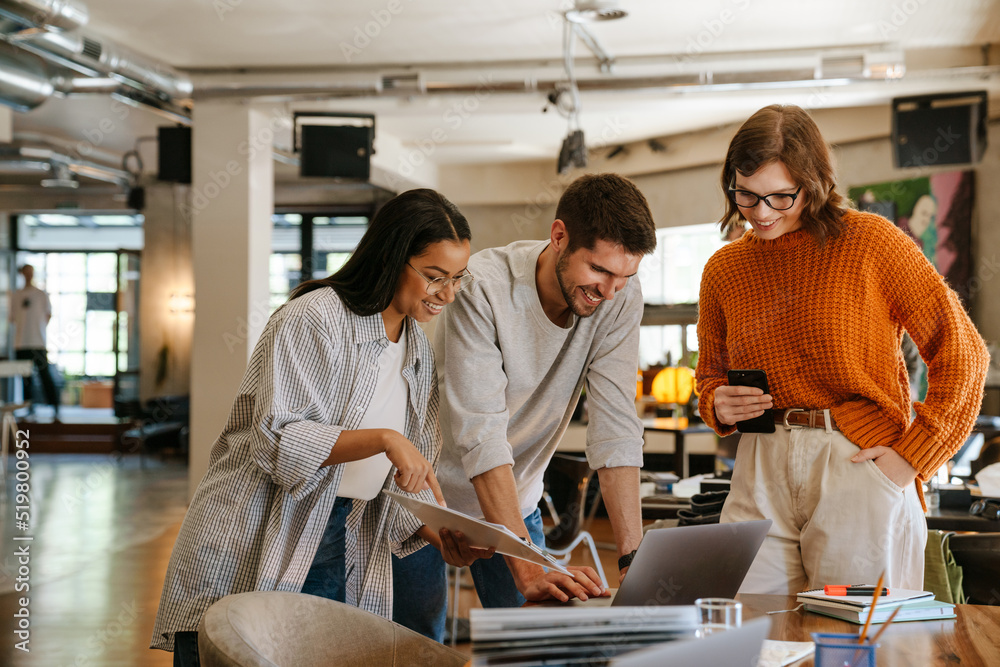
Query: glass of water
[(718, 615)]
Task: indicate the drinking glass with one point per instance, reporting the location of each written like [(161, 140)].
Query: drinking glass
[(718, 615)]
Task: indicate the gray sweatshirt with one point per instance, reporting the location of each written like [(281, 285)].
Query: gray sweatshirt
[(510, 378)]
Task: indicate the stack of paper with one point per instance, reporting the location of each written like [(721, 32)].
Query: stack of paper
[(573, 635), (915, 606)]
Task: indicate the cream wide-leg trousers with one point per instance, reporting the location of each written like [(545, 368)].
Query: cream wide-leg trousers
[(835, 522)]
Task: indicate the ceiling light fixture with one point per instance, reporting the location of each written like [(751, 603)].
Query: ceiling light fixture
[(62, 178), (589, 11)]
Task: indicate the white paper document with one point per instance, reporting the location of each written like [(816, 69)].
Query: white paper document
[(478, 533)]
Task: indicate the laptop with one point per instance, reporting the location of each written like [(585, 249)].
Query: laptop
[(737, 647), (676, 566)]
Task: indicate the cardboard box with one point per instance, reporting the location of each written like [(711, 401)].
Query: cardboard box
[(97, 394)]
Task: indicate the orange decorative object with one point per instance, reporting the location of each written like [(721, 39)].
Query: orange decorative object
[(673, 385), (638, 385)]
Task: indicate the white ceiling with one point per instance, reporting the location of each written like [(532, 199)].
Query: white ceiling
[(248, 33), (322, 37)]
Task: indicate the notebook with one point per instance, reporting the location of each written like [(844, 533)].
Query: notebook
[(896, 596), (478, 533), (920, 610)]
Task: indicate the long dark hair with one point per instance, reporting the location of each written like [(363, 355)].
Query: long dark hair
[(403, 228), (787, 133)]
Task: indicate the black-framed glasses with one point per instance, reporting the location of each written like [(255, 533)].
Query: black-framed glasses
[(435, 285), (779, 201), (988, 509)]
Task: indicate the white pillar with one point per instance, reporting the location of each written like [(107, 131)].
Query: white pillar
[(6, 124), (166, 322), (232, 200)]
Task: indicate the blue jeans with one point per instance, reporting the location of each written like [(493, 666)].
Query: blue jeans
[(494, 582), (327, 576), (420, 592)]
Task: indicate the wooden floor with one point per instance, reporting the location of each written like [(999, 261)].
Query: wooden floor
[(102, 531)]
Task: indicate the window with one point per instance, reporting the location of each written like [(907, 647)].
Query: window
[(333, 239), (671, 278), (43, 232), (81, 287)]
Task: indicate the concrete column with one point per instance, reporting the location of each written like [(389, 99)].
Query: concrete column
[(166, 294), (6, 124), (232, 200)]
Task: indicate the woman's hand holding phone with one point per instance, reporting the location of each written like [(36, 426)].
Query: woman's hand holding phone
[(735, 404)]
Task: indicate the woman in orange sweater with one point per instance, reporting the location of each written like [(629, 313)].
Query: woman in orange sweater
[(818, 295)]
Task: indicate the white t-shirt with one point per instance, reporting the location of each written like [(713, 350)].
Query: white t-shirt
[(364, 479), (30, 309)]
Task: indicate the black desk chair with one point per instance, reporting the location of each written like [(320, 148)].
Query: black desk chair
[(988, 455), (978, 554), (163, 426), (566, 480)]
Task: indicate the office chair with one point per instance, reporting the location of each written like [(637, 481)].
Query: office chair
[(568, 477), (264, 629), (978, 554), (988, 455)]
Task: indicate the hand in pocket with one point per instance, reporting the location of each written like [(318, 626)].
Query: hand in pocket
[(895, 467)]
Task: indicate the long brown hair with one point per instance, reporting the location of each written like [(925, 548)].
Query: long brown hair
[(786, 133)]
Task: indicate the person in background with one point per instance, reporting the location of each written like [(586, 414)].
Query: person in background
[(818, 296), (544, 320), (30, 312), (341, 373)]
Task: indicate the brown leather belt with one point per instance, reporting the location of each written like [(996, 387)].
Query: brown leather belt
[(802, 418)]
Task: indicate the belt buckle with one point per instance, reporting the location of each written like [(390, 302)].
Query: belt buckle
[(784, 420)]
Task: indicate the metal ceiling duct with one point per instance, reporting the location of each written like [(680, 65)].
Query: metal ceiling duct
[(50, 14), (25, 80), (31, 158), (93, 55), (53, 31)]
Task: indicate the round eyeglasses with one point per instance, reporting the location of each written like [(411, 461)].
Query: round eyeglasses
[(779, 201), (435, 285)]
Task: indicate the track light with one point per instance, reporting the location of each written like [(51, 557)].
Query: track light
[(589, 11), (573, 152)]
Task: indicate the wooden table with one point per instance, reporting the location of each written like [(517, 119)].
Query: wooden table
[(679, 427), (971, 639)]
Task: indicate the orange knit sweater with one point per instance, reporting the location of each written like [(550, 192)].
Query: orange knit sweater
[(826, 324)]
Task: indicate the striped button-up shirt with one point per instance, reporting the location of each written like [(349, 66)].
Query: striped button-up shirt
[(259, 513)]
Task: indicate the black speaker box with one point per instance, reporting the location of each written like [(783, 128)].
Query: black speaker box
[(136, 198), (932, 130), (336, 151), (174, 159)]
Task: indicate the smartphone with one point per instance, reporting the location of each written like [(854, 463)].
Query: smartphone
[(753, 378)]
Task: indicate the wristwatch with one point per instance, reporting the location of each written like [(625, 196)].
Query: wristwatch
[(626, 560)]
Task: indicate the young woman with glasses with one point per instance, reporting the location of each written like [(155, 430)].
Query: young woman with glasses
[(818, 296), (340, 390)]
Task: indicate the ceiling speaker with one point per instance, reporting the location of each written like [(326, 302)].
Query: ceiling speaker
[(933, 130)]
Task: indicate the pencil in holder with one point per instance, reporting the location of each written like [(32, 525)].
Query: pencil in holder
[(842, 650)]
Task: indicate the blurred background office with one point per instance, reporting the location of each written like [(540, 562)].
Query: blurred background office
[(172, 170)]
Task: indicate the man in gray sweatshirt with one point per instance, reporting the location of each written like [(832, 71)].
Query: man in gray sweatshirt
[(544, 320)]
